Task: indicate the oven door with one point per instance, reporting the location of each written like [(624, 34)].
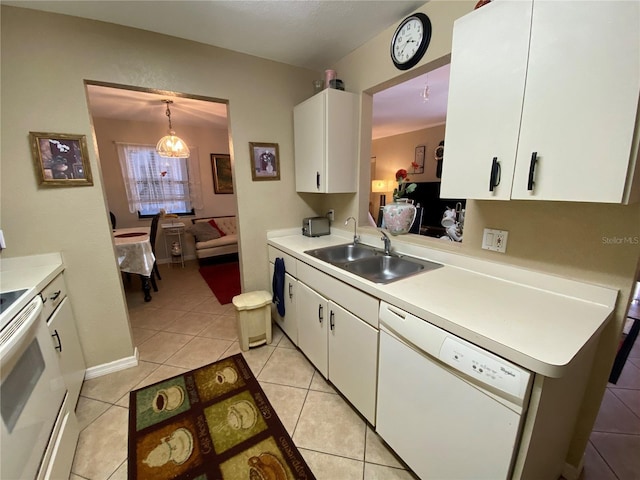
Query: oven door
[(31, 392)]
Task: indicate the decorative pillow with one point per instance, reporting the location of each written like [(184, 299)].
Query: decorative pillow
[(203, 232), (213, 223)]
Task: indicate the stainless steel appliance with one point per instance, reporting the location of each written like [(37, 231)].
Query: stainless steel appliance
[(32, 390), (315, 226), (448, 408)]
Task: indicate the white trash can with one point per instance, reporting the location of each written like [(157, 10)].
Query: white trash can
[(253, 317)]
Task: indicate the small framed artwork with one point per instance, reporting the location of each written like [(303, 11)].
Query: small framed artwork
[(221, 168), (61, 159), (265, 161), (418, 163)]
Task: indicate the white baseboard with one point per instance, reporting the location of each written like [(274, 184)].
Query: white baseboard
[(111, 367), (570, 472)]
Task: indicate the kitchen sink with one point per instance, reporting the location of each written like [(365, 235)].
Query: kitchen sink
[(372, 263), (339, 254)]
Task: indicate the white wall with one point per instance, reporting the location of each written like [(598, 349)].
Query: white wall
[(45, 60)]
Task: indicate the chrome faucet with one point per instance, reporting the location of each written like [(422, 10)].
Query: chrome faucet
[(387, 243), (356, 238)]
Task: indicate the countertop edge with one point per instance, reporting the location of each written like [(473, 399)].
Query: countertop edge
[(553, 366)]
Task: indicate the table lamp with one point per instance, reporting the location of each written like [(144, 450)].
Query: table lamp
[(381, 187)]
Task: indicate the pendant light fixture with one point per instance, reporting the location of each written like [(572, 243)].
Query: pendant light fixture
[(170, 145)]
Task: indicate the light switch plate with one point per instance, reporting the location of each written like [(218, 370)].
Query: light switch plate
[(495, 240)]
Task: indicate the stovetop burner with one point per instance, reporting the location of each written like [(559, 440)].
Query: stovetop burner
[(7, 298)]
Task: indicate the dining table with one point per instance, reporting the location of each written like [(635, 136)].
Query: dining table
[(135, 255)]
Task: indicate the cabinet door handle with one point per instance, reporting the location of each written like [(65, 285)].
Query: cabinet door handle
[(55, 296), (320, 313), (494, 179), (532, 169), (290, 291), (57, 337), (318, 180), (331, 321)]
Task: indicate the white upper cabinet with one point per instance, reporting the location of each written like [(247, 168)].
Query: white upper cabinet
[(543, 101), (326, 142)]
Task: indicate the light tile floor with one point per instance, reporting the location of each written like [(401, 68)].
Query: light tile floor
[(612, 452), (184, 327)]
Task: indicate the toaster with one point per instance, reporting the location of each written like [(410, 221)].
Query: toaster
[(315, 226)]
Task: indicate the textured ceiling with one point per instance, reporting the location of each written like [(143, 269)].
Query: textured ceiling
[(306, 33)]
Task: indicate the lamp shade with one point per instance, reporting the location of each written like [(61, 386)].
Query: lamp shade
[(380, 186), (172, 147)]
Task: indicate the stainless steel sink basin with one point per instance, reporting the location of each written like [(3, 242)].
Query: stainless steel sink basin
[(339, 254), (387, 268), (371, 263)]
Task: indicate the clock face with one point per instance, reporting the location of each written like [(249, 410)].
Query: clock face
[(410, 41)]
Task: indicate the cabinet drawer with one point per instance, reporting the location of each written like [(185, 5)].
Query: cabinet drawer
[(289, 261), (53, 294), (350, 298)]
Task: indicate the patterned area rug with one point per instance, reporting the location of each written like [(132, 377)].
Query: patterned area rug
[(211, 423)]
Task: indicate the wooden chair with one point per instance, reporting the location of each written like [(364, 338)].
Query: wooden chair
[(152, 238)]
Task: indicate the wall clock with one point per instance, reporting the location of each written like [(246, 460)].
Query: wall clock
[(410, 41)]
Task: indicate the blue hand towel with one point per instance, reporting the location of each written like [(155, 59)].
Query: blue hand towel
[(278, 285)]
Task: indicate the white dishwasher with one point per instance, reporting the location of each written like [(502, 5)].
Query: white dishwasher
[(449, 409)]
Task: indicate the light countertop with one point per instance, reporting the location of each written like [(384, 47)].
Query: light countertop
[(536, 320), (32, 272)]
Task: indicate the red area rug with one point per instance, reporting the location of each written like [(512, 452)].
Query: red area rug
[(223, 280)]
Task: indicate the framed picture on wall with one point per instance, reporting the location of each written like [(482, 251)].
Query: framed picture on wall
[(222, 177), (61, 159), (265, 161), (418, 163)]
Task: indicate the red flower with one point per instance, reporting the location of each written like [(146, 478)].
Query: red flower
[(401, 174)]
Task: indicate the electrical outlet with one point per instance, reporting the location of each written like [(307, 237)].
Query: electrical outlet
[(331, 214), (495, 240)]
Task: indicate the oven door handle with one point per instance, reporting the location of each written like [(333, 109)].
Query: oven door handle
[(14, 335)]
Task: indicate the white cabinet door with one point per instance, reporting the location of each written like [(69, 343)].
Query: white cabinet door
[(288, 323), (65, 338), (569, 133), (486, 90), (353, 359), (326, 142), (581, 101), (313, 316)]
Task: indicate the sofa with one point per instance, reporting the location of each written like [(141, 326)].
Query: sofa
[(214, 236)]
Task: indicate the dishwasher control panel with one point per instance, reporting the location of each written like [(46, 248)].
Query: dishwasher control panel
[(484, 367)]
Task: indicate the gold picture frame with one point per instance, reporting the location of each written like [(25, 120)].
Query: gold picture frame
[(265, 161), (222, 175), (61, 159)]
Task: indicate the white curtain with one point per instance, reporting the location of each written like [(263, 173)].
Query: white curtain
[(153, 182)]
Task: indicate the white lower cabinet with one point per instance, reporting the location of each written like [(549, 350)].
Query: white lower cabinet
[(313, 314), (288, 323), (353, 359), (335, 326), (340, 344), (59, 455), (65, 338)]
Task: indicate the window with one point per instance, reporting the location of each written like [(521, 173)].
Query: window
[(153, 182)]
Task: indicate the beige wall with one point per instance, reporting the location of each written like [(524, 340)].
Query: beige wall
[(398, 151), (202, 140), (45, 60), (567, 239)]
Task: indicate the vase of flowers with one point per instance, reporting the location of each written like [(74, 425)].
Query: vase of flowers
[(400, 215)]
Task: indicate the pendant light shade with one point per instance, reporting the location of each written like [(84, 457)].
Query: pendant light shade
[(170, 145)]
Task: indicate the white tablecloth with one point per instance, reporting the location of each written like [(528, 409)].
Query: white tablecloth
[(134, 251)]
